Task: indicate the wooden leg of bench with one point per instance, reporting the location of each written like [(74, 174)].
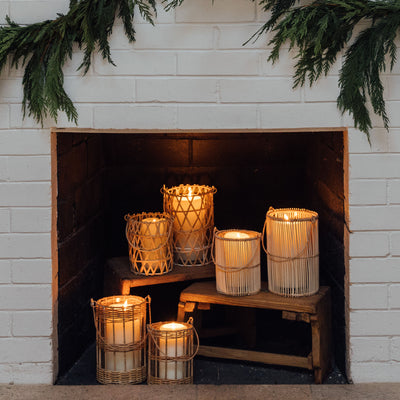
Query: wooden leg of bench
[(181, 312), (321, 341)]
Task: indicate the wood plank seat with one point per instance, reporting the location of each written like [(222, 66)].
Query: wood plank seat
[(119, 279), (315, 310)]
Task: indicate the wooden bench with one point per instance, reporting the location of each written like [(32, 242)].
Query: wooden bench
[(315, 310), (119, 279)]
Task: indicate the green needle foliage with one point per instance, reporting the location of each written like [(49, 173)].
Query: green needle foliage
[(320, 30), (43, 48)]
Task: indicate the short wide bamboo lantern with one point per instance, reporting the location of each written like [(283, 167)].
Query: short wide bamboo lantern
[(192, 208), (292, 251), (237, 262), (120, 323), (170, 352), (150, 247)]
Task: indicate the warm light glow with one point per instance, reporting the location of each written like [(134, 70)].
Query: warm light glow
[(190, 194), (286, 217), (236, 235), (172, 326), (118, 300), (126, 304)]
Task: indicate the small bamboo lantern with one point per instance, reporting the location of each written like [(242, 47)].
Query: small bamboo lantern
[(192, 207), (150, 246), (237, 262), (171, 352), (293, 252), (120, 323)]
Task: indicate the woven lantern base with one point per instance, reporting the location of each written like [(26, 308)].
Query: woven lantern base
[(192, 208), (293, 254), (171, 352), (120, 323)]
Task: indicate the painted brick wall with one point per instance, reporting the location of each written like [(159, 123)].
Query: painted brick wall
[(191, 71)]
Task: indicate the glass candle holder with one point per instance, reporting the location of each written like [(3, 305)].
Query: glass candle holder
[(192, 208), (292, 251)]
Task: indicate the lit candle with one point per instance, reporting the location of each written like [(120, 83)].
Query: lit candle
[(189, 218), (292, 242), (121, 331), (153, 235), (171, 346), (237, 258)]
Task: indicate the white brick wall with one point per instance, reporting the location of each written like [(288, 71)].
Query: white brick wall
[(190, 72)]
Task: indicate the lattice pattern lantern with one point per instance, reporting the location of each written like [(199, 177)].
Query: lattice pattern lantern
[(170, 352), (192, 207), (120, 323), (237, 262), (150, 247), (292, 251)]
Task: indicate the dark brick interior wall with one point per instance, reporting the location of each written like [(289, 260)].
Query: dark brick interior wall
[(327, 183), (110, 175), (80, 226)]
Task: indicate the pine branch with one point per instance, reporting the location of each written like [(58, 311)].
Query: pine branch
[(321, 30), (43, 48)]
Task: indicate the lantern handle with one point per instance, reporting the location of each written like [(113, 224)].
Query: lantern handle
[(234, 269), (215, 230), (163, 244), (179, 358), (298, 256)]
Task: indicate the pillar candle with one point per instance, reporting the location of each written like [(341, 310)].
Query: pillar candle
[(153, 235), (118, 332), (171, 346)]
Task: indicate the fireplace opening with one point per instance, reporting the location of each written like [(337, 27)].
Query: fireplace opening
[(102, 176)]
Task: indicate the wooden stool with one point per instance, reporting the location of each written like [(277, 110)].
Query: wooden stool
[(315, 310)]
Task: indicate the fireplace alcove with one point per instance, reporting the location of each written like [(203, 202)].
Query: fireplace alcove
[(103, 175)]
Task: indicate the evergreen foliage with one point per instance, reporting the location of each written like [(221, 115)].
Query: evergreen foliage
[(43, 48), (320, 30)]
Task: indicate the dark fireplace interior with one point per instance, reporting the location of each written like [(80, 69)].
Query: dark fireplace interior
[(102, 176)]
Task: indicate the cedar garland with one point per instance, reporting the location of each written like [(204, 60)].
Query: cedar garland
[(44, 47), (318, 31)]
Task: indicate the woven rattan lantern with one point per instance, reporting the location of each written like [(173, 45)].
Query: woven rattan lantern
[(120, 323), (171, 352), (192, 207), (292, 251), (150, 247), (237, 262)]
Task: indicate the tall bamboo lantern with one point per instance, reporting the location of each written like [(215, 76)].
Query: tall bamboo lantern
[(292, 251), (192, 208), (150, 243), (120, 323), (237, 262), (170, 352)]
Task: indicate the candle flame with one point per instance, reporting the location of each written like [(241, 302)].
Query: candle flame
[(172, 326), (286, 217), (190, 194), (126, 304), (118, 300)]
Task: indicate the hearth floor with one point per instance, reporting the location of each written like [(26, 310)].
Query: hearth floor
[(212, 371)]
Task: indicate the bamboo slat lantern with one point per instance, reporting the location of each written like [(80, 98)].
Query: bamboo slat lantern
[(292, 251), (237, 262), (150, 247), (170, 352), (192, 208), (120, 323)]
